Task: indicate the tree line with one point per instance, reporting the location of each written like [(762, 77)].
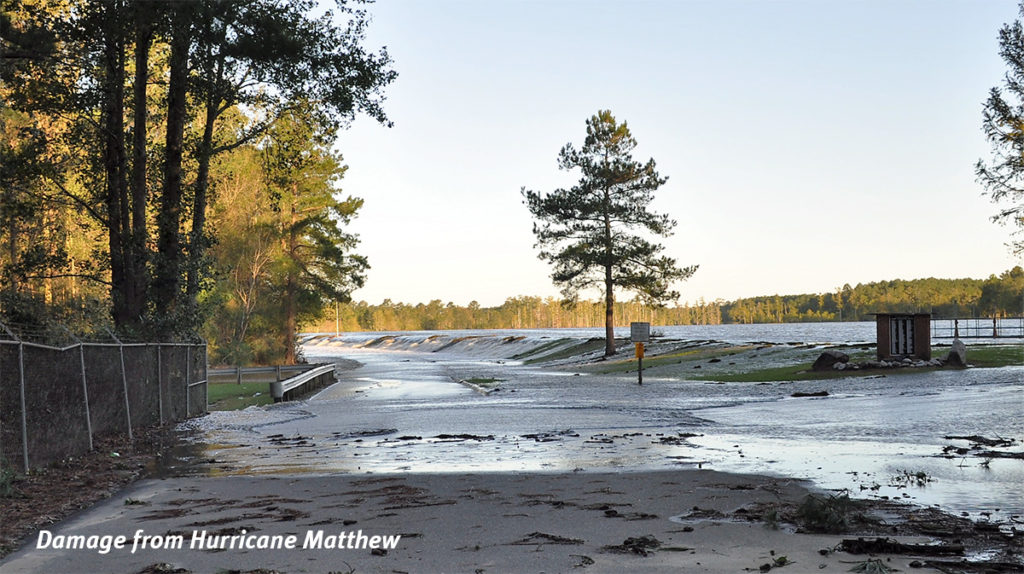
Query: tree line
[(515, 313), (997, 296)]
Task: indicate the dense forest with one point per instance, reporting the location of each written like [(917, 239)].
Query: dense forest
[(1001, 296), (167, 169)]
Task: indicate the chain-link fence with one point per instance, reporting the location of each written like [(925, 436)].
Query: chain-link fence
[(55, 399)]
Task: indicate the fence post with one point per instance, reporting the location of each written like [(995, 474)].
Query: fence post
[(24, 420), (85, 391), (85, 385), (206, 377), (188, 381), (124, 382), (160, 380)]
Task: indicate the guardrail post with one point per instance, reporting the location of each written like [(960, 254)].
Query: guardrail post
[(278, 372), (238, 373)]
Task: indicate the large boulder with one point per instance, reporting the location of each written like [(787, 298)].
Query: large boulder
[(957, 356), (827, 360)]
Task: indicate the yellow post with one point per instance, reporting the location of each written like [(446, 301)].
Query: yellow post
[(639, 363)]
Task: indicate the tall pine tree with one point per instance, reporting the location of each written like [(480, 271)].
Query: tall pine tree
[(1003, 124), (595, 233)]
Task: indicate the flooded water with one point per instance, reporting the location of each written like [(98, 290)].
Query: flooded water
[(404, 410)]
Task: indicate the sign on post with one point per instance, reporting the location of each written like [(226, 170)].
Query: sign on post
[(639, 333)]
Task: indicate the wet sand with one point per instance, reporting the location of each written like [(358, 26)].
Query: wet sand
[(692, 520)]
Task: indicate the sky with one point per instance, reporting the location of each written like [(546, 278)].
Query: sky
[(807, 144)]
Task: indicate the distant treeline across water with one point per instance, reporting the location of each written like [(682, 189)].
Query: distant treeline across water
[(1001, 296)]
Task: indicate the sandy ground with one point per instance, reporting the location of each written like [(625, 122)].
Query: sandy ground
[(697, 521)]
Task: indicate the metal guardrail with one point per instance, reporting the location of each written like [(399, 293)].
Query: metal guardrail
[(978, 328), (311, 379), (239, 372)]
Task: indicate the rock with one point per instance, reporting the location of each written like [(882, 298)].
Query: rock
[(839, 366), (957, 356), (800, 394), (827, 360)]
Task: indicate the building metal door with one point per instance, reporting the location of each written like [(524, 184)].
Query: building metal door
[(901, 335)]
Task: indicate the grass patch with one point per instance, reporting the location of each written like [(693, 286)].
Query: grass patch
[(800, 372), (986, 356), (233, 397), (675, 357), (990, 356)]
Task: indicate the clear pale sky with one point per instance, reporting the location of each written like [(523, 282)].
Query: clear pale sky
[(808, 144)]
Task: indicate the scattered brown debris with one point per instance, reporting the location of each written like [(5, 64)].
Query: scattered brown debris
[(641, 545), (163, 568), (545, 538), (48, 495), (890, 546)]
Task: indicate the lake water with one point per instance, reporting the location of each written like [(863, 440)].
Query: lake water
[(403, 411)]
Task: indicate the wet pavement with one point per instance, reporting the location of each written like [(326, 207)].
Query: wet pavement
[(406, 411)]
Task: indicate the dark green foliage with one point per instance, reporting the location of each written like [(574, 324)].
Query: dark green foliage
[(1003, 295), (84, 74), (944, 298), (287, 255), (1003, 124), (595, 234)]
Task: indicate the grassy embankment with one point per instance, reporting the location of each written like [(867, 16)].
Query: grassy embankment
[(232, 396), (557, 350), (778, 363), (980, 356)]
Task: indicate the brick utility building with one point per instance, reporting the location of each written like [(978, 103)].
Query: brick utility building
[(904, 335)]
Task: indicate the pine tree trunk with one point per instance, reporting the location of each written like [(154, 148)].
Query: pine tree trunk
[(609, 293), (167, 281), (291, 285), (609, 313), (197, 245), (114, 166), (136, 257), (289, 320)]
